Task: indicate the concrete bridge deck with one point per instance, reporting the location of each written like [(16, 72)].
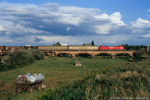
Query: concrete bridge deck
[(74, 53), (92, 53)]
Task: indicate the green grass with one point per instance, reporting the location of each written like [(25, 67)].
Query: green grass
[(57, 71), (129, 80)]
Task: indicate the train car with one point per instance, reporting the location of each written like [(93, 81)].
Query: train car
[(12, 48), (83, 48), (52, 48), (112, 48), (29, 47), (2, 48)]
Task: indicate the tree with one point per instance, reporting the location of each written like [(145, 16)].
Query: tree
[(57, 44), (92, 43)]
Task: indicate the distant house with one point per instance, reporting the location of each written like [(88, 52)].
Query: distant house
[(63, 44)]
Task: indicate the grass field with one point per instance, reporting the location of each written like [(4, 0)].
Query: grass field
[(58, 71)]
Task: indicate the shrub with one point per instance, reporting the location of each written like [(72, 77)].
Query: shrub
[(21, 58), (1, 64), (38, 55)]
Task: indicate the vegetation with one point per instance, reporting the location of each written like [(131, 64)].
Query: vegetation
[(92, 43), (21, 58), (1, 64), (57, 44), (58, 72), (135, 47), (127, 81), (99, 78)]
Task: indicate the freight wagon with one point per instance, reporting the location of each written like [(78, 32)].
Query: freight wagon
[(2, 48), (29, 47), (83, 48), (12, 48), (52, 48), (111, 48)]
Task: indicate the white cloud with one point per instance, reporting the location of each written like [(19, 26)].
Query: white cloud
[(1, 28), (141, 23), (137, 30), (112, 22), (68, 28), (69, 19), (102, 29), (25, 18), (79, 40), (146, 35), (50, 21), (12, 28), (116, 19), (103, 16)]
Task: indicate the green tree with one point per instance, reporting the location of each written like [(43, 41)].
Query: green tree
[(92, 43), (57, 44), (38, 55)]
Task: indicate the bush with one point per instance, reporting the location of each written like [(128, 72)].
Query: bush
[(37, 54), (1, 64), (21, 58)]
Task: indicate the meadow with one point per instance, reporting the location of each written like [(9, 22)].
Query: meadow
[(61, 75)]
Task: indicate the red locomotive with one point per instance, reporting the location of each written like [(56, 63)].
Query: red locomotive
[(112, 48)]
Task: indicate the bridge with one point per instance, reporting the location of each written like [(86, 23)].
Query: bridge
[(75, 53), (92, 53)]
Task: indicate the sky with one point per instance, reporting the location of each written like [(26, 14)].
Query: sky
[(74, 22)]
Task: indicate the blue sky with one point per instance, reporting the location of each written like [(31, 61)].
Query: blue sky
[(43, 22)]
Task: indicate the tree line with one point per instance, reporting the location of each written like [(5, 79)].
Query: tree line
[(135, 47)]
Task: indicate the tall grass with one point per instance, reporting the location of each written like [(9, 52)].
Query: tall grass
[(58, 71), (127, 81), (98, 78)]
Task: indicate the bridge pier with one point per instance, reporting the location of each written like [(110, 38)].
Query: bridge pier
[(93, 55), (113, 55), (131, 56), (73, 55), (49, 54), (53, 54)]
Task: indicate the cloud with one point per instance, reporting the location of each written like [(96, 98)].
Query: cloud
[(68, 28), (140, 26), (79, 40), (141, 23), (146, 35), (116, 19), (29, 18), (102, 29), (1, 28), (108, 22), (22, 24)]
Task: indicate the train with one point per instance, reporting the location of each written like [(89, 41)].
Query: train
[(68, 48), (65, 48), (13, 48), (81, 48), (112, 48)]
